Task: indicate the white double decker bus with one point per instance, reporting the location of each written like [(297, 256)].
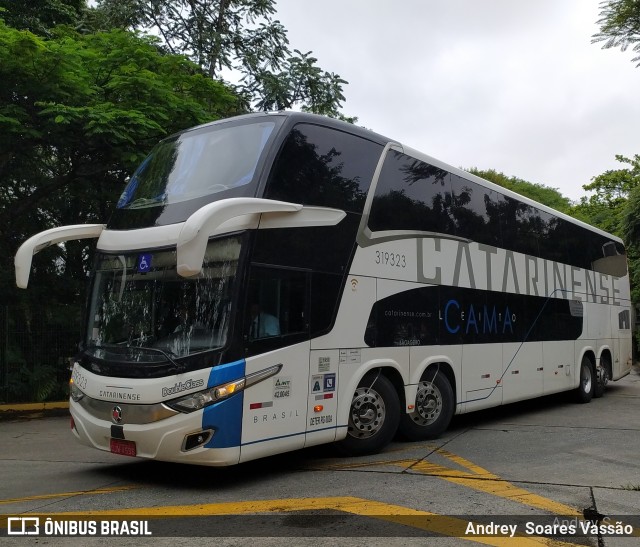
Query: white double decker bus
[(278, 281)]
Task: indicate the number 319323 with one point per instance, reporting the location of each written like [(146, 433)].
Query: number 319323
[(391, 259)]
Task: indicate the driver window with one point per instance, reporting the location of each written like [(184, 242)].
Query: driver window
[(276, 304)]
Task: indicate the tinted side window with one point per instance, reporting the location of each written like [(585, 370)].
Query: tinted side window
[(550, 237), (324, 167), (576, 244), (412, 195), (325, 292), (522, 227), (276, 312), (477, 211)]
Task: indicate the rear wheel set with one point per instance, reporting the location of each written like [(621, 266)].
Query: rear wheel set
[(375, 414)]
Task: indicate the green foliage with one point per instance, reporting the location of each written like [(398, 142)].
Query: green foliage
[(36, 385), (301, 81), (614, 206), (630, 223), (631, 212), (77, 114), (605, 207), (39, 342), (546, 195), (40, 16), (620, 25), (239, 37)]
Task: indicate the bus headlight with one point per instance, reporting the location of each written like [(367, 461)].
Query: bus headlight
[(207, 397), (74, 391), (201, 399)]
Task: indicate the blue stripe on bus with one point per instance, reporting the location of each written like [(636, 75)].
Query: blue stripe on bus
[(225, 417)]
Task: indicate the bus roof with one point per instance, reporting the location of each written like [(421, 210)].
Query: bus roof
[(304, 117)]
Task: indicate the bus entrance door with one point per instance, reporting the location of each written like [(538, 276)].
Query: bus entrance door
[(274, 410)]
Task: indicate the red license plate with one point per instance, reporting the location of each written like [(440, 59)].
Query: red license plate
[(125, 448)]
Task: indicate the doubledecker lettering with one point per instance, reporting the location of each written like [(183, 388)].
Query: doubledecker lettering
[(179, 387)]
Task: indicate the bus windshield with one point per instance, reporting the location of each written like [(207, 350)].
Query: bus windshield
[(138, 302), (196, 164)]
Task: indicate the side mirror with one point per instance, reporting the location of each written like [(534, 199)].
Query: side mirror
[(45, 239)]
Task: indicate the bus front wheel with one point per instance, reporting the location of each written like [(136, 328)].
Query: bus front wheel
[(586, 387), (373, 416), (433, 408)]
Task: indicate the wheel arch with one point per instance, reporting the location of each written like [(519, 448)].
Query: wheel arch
[(393, 375), (587, 351), (388, 368), (443, 365), (446, 369), (372, 415), (607, 354)]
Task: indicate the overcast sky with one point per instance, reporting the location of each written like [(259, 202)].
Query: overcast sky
[(511, 85)]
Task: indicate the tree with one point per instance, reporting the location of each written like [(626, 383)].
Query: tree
[(605, 208), (41, 16), (631, 211), (617, 201), (630, 225), (614, 207), (233, 36), (620, 25), (77, 114)]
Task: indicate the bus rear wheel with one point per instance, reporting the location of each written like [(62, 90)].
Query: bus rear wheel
[(373, 416), (603, 374), (433, 409), (586, 387)]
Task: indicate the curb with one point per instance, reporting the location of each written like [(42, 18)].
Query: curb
[(33, 410)]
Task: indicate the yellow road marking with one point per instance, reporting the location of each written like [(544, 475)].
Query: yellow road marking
[(397, 514), (462, 462), (475, 477), (356, 465), (69, 494), (478, 478)]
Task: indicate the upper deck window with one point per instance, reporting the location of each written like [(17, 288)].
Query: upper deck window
[(418, 198), (324, 167), (197, 164), (412, 195)]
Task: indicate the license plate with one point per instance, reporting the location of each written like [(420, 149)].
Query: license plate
[(125, 448)]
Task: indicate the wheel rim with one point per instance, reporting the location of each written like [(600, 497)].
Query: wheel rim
[(603, 376), (367, 413), (585, 378), (428, 404)]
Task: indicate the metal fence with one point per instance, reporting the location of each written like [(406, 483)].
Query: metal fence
[(35, 347)]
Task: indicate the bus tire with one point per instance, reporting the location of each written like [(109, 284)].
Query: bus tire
[(434, 407), (586, 387), (602, 376), (373, 416)]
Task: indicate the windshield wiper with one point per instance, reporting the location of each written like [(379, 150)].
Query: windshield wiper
[(177, 367)]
